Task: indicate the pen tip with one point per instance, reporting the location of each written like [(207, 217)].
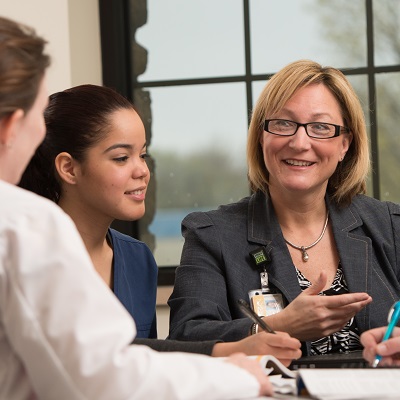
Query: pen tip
[(375, 363)]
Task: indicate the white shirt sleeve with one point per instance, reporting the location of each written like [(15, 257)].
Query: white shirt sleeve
[(64, 333)]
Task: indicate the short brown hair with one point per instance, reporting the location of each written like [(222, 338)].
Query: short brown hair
[(22, 66), (350, 175)]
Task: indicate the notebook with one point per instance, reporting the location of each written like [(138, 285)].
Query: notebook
[(337, 360)]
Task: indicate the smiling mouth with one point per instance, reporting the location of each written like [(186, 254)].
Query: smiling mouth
[(299, 163), (136, 192)]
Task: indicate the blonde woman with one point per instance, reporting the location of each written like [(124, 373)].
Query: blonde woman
[(333, 253)]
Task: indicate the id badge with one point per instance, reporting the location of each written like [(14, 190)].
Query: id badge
[(264, 304)]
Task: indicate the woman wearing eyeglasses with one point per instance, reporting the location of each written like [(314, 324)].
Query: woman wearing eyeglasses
[(330, 250)]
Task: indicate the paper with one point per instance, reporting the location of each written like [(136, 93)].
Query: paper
[(282, 379), (283, 385), (351, 384), (273, 366)]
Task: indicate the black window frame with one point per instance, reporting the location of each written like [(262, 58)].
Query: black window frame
[(116, 42)]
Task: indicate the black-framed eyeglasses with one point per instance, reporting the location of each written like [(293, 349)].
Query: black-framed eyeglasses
[(317, 130)]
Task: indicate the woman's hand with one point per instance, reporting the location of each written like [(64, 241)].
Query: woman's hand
[(254, 368), (280, 345), (310, 316), (389, 349)]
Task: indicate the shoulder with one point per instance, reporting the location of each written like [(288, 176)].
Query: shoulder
[(129, 243), (119, 236), (33, 228), (228, 212), (372, 213), (366, 204), (20, 206)]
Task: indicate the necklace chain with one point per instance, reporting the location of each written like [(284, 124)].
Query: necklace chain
[(304, 249)]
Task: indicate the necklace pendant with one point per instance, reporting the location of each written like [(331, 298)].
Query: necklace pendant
[(304, 249), (305, 254)]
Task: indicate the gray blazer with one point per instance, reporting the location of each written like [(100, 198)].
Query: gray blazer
[(216, 269)]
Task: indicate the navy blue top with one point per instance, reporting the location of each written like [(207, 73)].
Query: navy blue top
[(135, 281)]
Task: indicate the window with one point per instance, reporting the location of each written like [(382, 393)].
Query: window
[(196, 67)]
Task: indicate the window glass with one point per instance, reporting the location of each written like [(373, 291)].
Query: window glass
[(192, 39), (197, 133), (387, 32), (388, 110), (257, 87), (198, 144), (360, 85), (329, 32)]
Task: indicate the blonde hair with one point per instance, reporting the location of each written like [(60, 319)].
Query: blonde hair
[(349, 178)]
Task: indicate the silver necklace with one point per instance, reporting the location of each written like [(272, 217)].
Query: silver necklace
[(304, 249)]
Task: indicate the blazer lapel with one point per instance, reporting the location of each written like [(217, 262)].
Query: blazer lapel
[(354, 250), (355, 253), (264, 230)]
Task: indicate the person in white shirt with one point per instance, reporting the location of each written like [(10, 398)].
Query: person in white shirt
[(63, 334)]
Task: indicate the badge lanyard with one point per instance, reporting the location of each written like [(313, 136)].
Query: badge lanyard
[(264, 302)]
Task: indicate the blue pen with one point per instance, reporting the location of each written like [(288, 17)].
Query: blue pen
[(393, 318)]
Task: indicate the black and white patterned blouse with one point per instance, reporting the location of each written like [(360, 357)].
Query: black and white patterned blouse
[(345, 340)]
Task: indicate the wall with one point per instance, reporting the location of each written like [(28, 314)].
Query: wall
[(72, 30), (85, 46)]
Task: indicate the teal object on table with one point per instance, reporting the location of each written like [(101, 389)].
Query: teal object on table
[(393, 318)]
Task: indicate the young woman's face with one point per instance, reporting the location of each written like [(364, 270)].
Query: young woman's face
[(299, 163), (113, 179)]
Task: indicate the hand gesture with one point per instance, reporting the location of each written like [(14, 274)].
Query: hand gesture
[(310, 316)]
